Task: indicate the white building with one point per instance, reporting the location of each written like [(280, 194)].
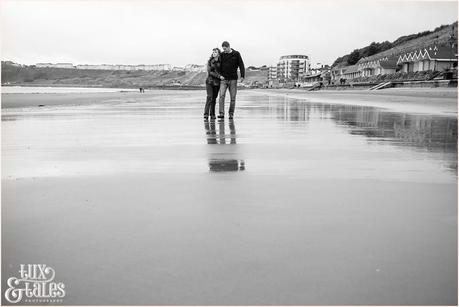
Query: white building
[(293, 67), (272, 73), (123, 67), (107, 66), (57, 65), (158, 67), (195, 67), (42, 65), (64, 65), (88, 66)]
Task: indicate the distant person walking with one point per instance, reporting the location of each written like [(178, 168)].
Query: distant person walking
[(212, 83), (231, 60)]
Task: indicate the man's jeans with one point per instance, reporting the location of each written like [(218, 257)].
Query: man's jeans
[(232, 85)]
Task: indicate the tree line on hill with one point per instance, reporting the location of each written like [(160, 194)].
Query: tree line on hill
[(374, 48)]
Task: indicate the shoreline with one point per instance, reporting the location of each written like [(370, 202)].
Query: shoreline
[(152, 87), (441, 101)]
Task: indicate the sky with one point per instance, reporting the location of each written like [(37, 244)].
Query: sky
[(184, 32)]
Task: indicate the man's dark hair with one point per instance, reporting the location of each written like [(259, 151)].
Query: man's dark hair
[(225, 44)]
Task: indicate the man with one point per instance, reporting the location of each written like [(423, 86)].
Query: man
[(230, 61)]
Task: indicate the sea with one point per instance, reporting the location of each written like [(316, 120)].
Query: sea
[(52, 89)]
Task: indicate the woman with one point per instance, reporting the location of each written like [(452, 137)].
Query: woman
[(212, 83)]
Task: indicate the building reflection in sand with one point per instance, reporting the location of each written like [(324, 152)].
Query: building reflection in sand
[(424, 132), (223, 159)]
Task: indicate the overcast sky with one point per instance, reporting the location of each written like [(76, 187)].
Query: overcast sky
[(183, 32)]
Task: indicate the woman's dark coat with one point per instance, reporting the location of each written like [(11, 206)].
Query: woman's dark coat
[(213, 72)]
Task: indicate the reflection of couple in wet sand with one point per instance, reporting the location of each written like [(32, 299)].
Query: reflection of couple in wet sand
[(221, 76), (217, 160)]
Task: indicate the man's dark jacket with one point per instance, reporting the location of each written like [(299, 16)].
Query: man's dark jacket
[(230, 63)]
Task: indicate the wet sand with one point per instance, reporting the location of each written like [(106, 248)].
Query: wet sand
[(295, 202), (11, 100), (412, 100)]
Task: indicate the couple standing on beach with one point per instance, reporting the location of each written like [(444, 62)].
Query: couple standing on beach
[(222, 75)]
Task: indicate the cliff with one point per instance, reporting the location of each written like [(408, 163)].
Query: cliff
[(14, 74)]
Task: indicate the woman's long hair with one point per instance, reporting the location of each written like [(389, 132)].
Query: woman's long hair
[(212, 55)]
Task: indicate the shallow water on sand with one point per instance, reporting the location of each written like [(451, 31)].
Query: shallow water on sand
[(62, 90), (292, 202)]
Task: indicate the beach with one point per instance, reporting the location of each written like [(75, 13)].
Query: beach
[(305, 198), (431, 101)]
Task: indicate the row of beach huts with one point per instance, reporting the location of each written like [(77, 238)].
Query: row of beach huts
[(406, 65)]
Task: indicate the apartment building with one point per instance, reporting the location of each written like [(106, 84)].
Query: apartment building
[(293, 67)]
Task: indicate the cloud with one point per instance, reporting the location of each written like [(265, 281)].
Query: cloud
[(182, 32)]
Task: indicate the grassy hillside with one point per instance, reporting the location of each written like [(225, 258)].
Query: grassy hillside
[(444, 34), (31, 75)]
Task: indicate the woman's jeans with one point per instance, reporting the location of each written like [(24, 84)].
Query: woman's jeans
[(212, 93)]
